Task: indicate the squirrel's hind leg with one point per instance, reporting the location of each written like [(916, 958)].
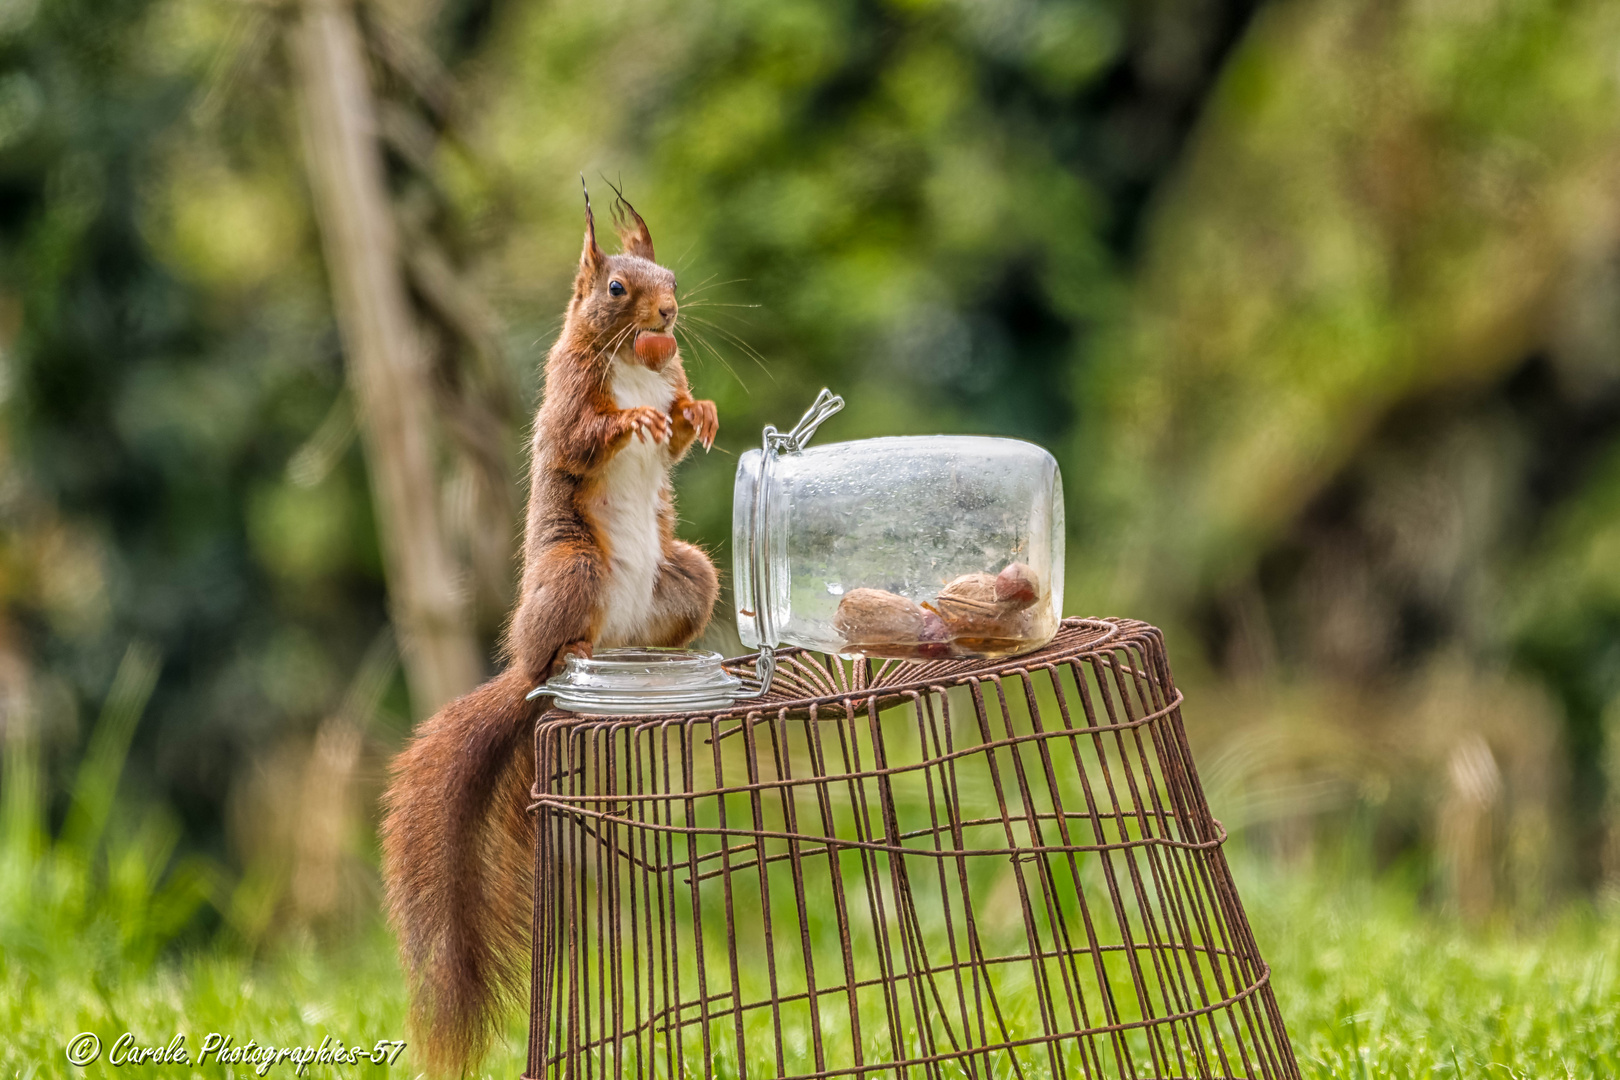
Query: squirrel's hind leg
[(683, 597), (560, 609)]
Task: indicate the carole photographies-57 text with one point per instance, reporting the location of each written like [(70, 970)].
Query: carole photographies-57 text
[(86, 1048)]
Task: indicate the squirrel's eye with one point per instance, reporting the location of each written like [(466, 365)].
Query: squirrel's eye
[(615, 288)]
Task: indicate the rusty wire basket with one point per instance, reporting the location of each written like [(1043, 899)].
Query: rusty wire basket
[(948, 868)]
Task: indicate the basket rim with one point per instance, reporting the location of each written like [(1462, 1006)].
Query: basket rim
[(878, 681)]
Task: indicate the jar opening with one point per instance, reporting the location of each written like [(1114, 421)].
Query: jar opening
[(755, 559), (643, 680)]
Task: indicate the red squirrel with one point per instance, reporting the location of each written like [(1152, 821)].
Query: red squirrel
[(601, 568)]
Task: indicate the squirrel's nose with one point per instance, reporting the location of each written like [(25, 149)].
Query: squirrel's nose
[(666, 313)]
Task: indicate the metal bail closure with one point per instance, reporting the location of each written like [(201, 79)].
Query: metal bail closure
[(826, 404), (776, 443)]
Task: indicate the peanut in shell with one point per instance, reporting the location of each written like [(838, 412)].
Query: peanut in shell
[(973, 608), (877, 616)]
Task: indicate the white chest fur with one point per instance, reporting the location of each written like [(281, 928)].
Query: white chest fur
[(627, 513)]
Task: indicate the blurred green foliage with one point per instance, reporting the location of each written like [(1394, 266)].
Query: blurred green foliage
[(1316, 300), (1368, 376), (166, 348)]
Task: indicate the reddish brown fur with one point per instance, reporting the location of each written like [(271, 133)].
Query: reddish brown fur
[(457, 839)]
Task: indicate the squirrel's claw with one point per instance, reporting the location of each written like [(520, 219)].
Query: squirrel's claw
[(704, 419), (648, 423)]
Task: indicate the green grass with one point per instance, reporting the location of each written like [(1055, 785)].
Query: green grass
[(1373, 986), (296, 997), (99, 933), (1370, 985)]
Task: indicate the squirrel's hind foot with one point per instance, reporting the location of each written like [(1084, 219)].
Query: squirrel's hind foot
[(581, 649)]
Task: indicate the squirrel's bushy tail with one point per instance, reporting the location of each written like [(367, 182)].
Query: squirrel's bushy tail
[(459, 866)]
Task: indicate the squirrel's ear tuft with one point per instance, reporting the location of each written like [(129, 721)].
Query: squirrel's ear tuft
[(632, 230), (591, 259)]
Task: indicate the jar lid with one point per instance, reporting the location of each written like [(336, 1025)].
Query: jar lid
[(620, 682)]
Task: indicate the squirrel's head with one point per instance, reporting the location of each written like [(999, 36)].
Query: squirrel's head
[(618, 298)]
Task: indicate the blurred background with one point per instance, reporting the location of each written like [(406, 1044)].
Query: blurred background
[(1316, 301)]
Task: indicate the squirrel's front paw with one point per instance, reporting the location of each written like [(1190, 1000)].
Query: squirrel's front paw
[(646, 422), (704, 419)]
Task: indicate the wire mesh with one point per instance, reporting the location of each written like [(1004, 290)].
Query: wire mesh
[(935, 869)]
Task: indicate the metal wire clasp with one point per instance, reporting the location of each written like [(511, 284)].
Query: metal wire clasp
[(775, 444), (826, 404)]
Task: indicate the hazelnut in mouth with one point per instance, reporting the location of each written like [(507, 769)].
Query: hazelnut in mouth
[(655, 346)]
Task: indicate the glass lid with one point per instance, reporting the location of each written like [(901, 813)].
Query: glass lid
[(620, 682)]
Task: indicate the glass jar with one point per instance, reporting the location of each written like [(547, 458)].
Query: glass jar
[(918, 547)]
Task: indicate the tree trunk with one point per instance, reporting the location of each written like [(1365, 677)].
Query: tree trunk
[(384, 353)]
